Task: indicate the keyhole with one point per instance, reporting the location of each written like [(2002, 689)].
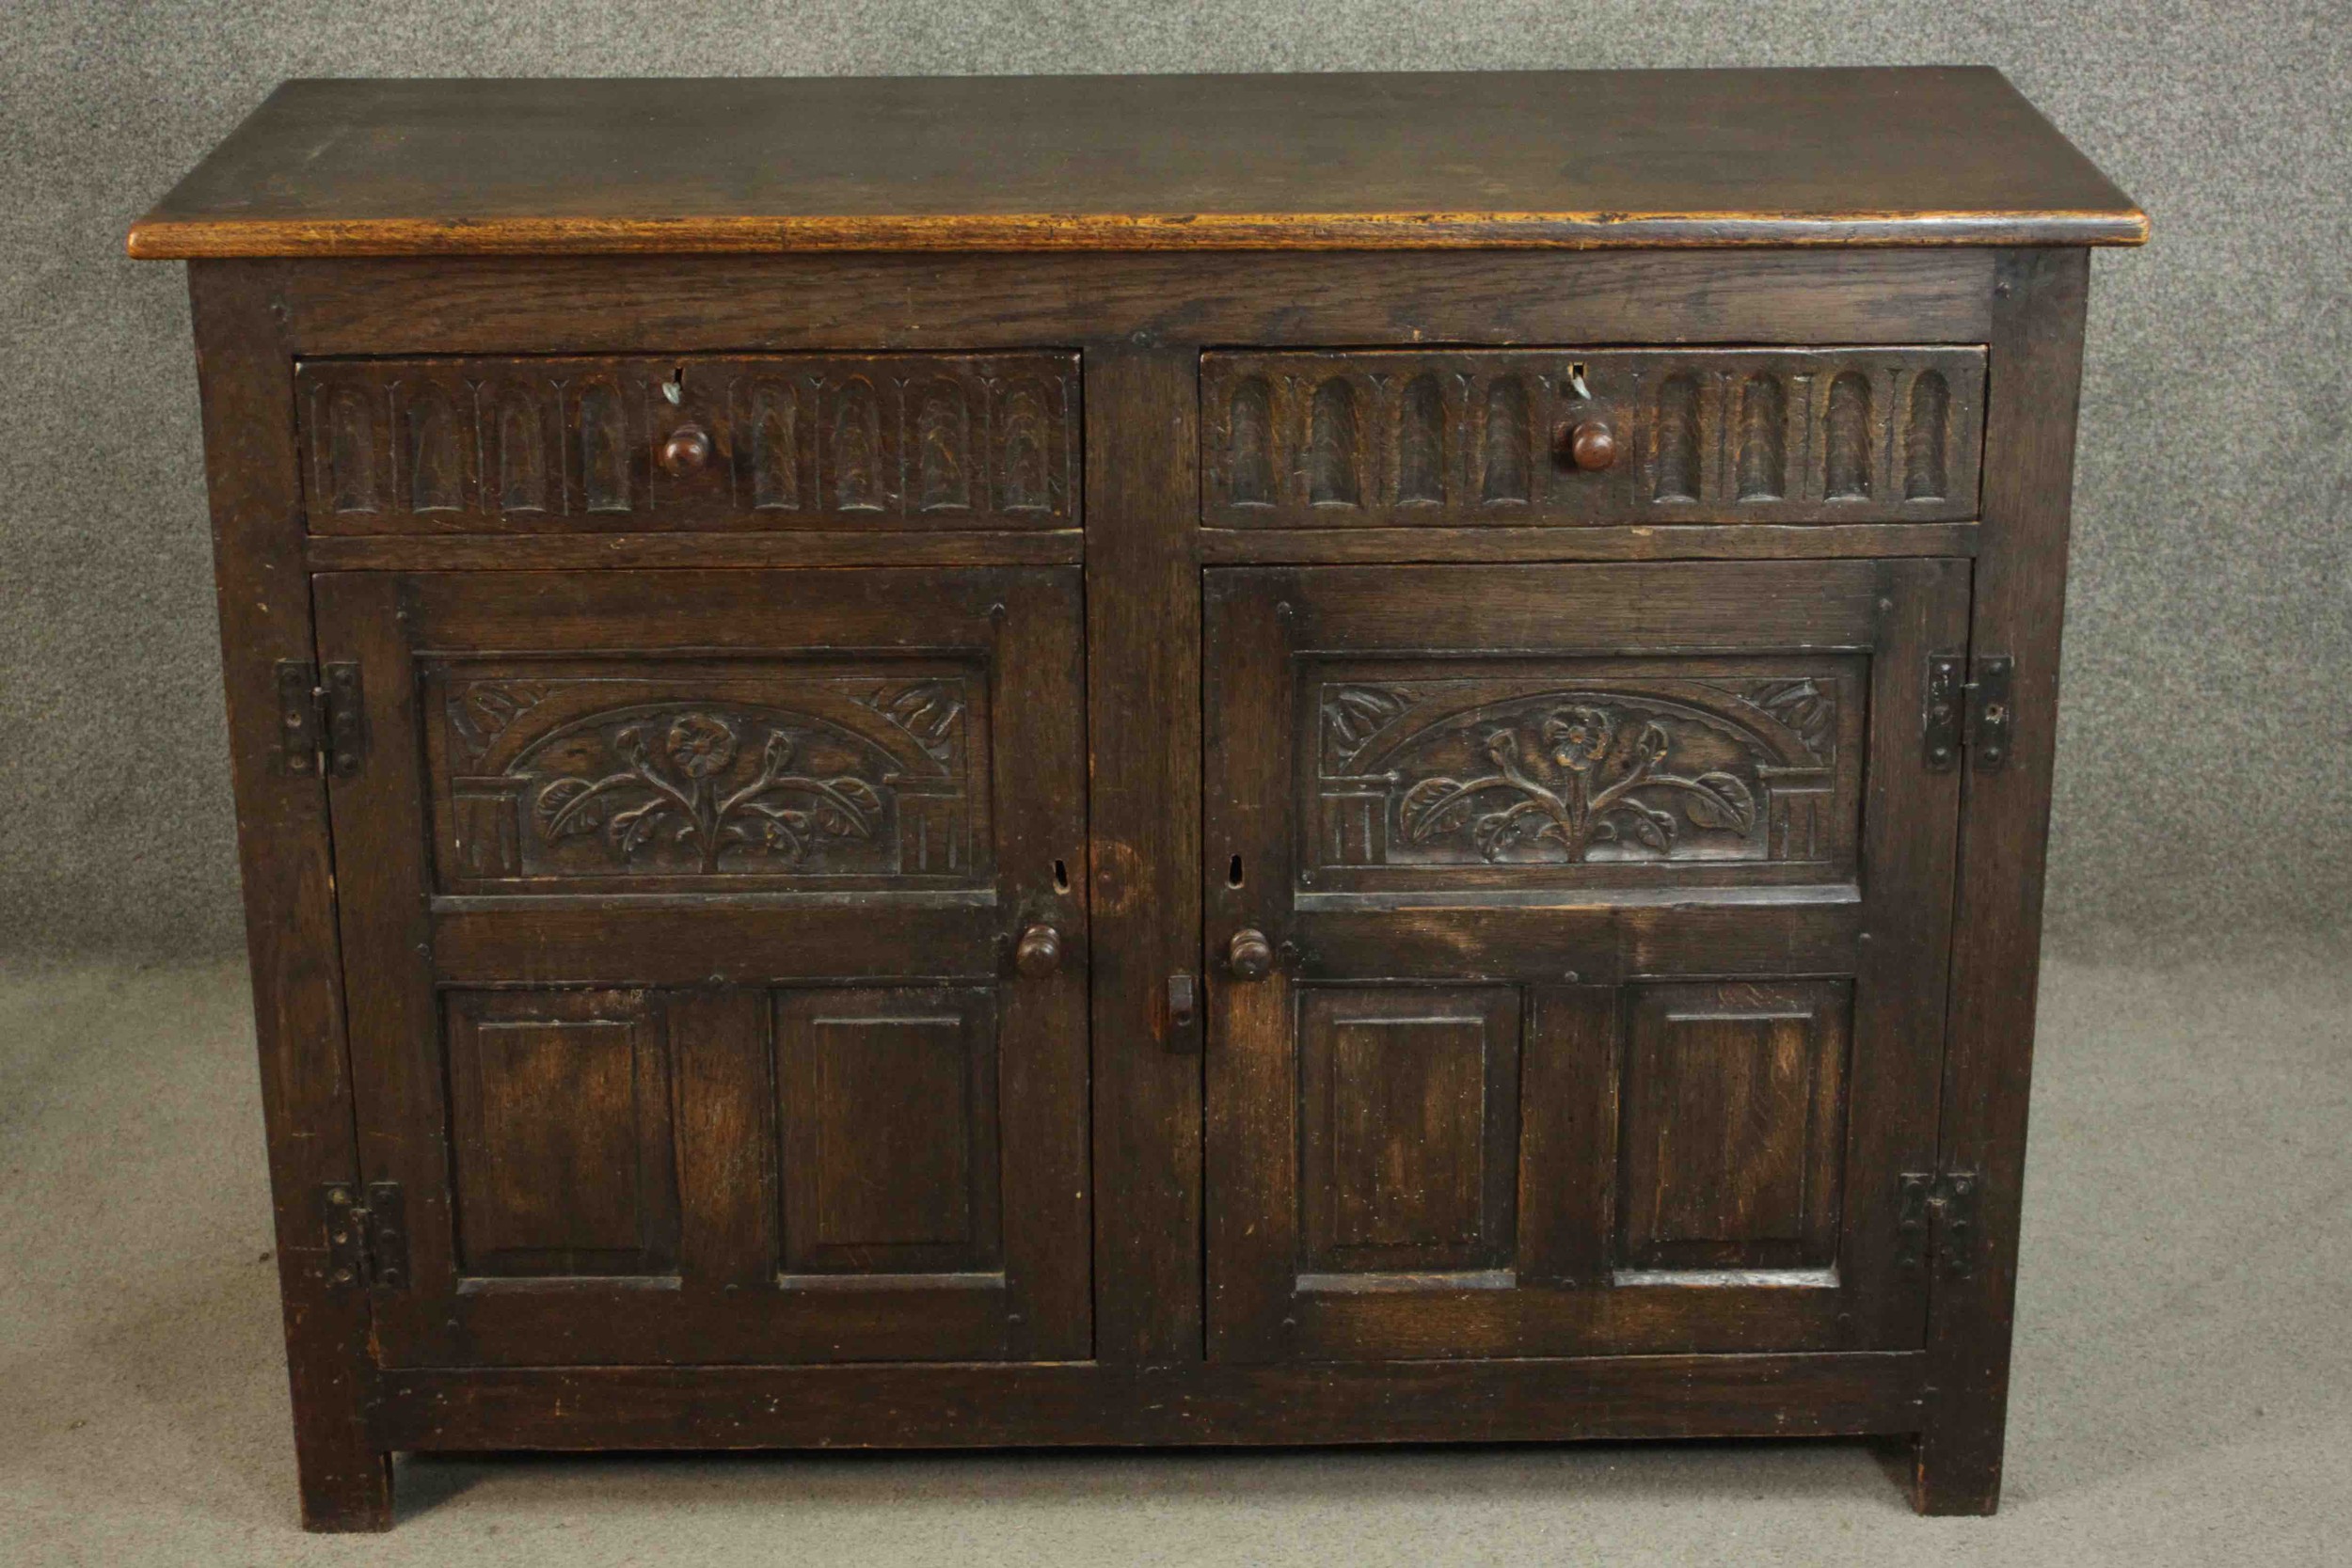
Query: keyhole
[(1062, 877), (1233, 872), (675, 389)]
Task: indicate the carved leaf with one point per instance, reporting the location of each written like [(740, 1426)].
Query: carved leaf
[(1433, 806), (847, 807), (1650, 830), (556, 821), (1721, 801), (634, 829)]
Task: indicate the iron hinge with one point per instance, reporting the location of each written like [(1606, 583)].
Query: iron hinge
[(321, 722), (1937, 1216), (367, 1243), (1975, 715)]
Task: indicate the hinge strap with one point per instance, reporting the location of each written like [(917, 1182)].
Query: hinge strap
[(1949, 1203), (367, 1243), (320, 715), (1960, 713), (301, 719)]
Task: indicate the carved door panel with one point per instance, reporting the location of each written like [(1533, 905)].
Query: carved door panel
[(683, 920), (1599, 1002)]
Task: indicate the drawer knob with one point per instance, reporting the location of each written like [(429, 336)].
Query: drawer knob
[(1591, 445), (1249, 956), (1039, 951), (687, 449)]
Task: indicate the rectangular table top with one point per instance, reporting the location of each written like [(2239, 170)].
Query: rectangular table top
[(1938, 156)]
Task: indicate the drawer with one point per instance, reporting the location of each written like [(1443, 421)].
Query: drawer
[(565, 445), (1388, 440)]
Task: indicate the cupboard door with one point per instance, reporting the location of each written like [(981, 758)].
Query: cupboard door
[(1577, 955), (680, 913)]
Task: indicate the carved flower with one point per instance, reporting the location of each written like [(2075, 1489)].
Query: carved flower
[(700, 744), (1578, 736)]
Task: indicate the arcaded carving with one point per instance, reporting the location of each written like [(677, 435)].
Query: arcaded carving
[(1445, 438), (489, 445)]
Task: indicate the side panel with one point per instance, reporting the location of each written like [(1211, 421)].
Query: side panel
[(284, 851), (2037, 348)]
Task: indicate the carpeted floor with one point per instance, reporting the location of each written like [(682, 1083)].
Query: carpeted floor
[(2184, 1373)]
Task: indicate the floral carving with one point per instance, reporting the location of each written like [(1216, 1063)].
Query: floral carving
[(676, 783), (1594, 777)]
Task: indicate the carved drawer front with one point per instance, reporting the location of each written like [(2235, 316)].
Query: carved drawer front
[(1577, 944), (560, 445), (1400, 438), (715, 948)]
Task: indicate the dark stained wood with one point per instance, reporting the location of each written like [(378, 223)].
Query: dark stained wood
[(1733, 1153), (2004, 820), (1568, 1123), (560, 1133), (1527, 776), (1417, 439), (962, 303), (1143, 753), (245, 374), (1110, 163), (887, 1101), (607, 793), (622, 551), (1408, 1110), (1680, 542), (1403, 1402), (725, 1127), (723, 1070), (568, 444)]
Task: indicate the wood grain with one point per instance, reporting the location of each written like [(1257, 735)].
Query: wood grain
[(1557, 159), (960, 302), (284, 851), (2004, 824), (975, 1406), (1427, 1232), (1143, 747)]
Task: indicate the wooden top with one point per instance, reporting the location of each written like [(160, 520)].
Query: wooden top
[(1912, 156)]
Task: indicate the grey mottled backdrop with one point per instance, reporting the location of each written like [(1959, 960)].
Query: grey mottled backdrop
[(2205, 771)]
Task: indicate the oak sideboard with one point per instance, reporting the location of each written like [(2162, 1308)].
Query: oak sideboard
[(1143, 760)]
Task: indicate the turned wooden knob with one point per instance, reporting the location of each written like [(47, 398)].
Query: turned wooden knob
[(1591, 446), (1249, 956), (687, 449), (1039, 951)]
